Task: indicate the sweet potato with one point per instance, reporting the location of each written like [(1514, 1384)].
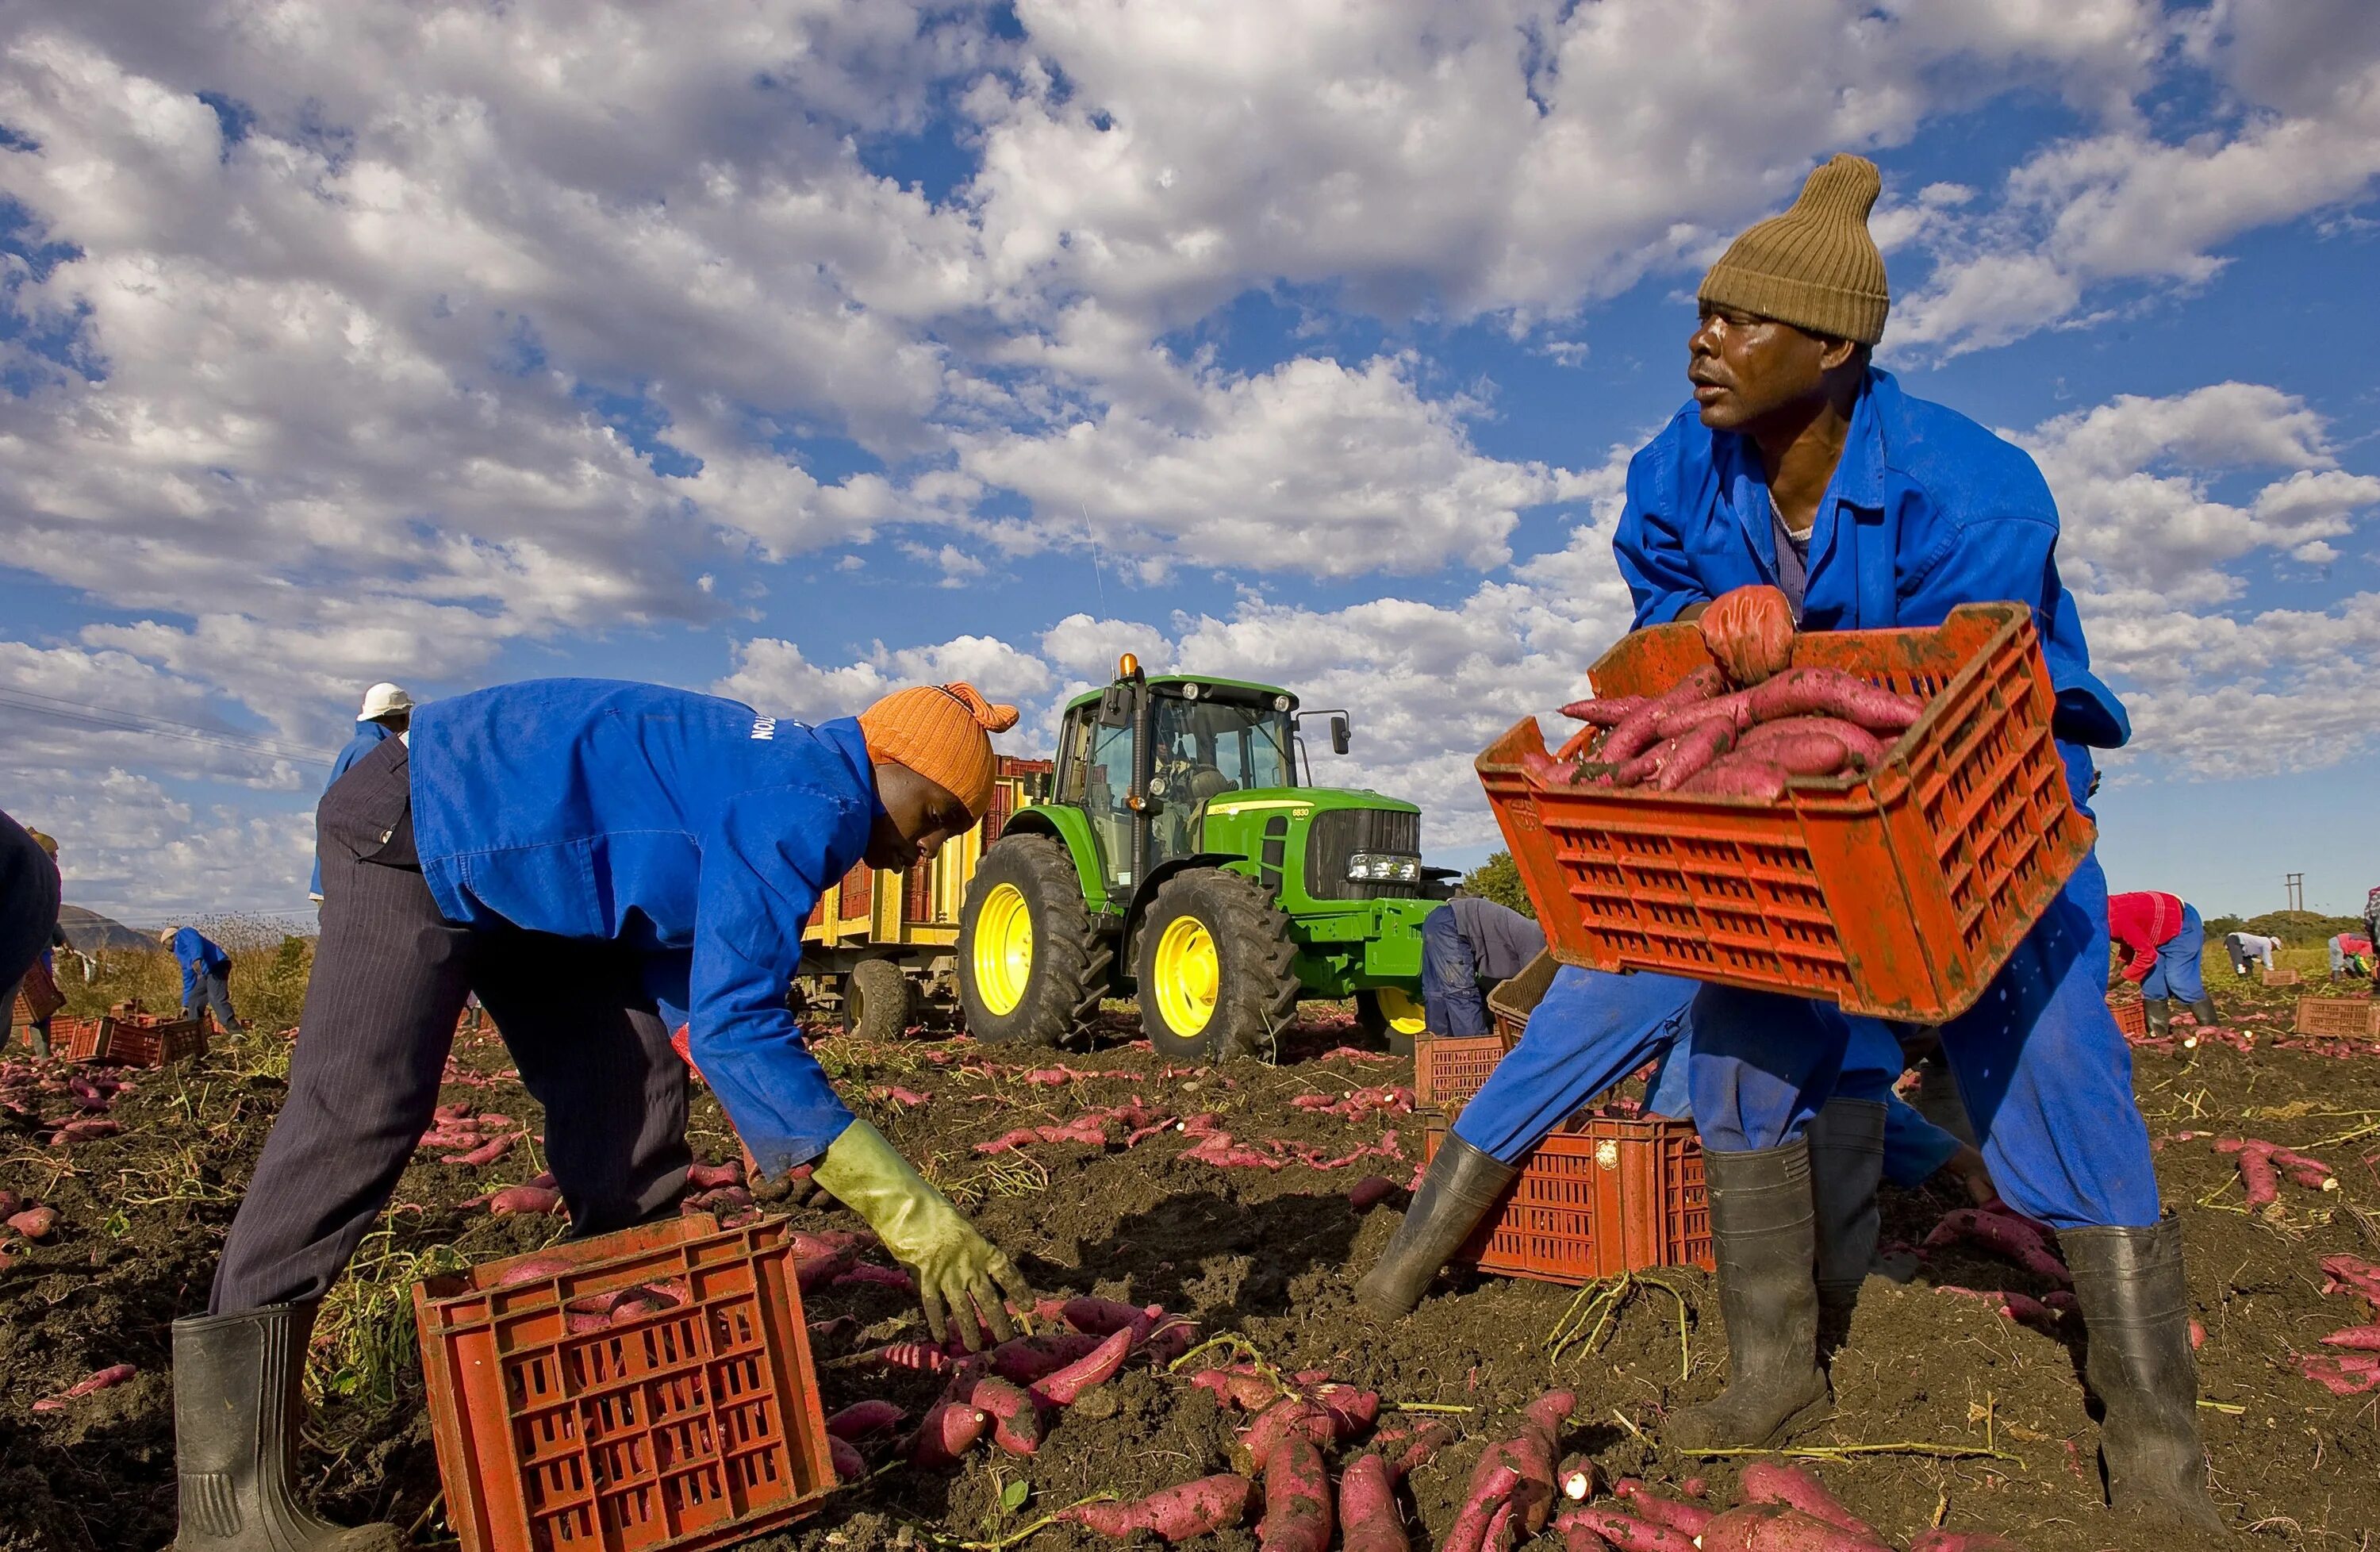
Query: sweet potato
[(2362, 1338), (1292, 1415), (1577, 1537), (524, 1199), (916, 1356), (1695, 749), (865, 1275), (1297, 1499), (1626, 1532), (1772, 1482), (1750, 631), (1856, 740), (1739, 775), (1490, 1489), (35, 1223), (1830, 692), (1027, 1359), (1194, 1508), (1370, 1520), (2343, 1274), (948, 1431), (1603, 712), (1634, 732), (1807, 754), (2002, 1234), (1574, 1478), (709, 1177), (1018, 1426), (1370, 1192), (486, 1152), (1352, 1408), (1962, 1541), (1061, 1387), (1101, 1318), (534, 1268), (1734, 710), (850, 1465), (1676, 1513), (1238, 1387), (1775, 1527), (862, 1419), (106, 1378), (1407, 1452)]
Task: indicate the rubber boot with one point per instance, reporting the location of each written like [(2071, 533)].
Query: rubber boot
[(1461, 1185), (1846, 1142), (2160, 1014), (2136, 1310), (1764, 1238), (235, 1405), (1940, 1101), (2204, 1012)]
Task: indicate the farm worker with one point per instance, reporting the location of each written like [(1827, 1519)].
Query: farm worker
[(2372, 923), (2248, 947), (600, 862), (206, 975), (1591, 1030), (1468, 945), (2347, 955), (387, 711), (2163, 941), (1801, 465), (28, 917)]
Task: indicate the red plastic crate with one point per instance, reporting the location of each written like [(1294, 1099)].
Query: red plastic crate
[(1448, 1068), (2132, 1018), (1597, 1198), (2281, 977), (685, 1428), (1899, 893), (2338, 1015), (128, 1040)]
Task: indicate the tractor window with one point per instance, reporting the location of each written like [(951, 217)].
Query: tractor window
[(1108, 782), (1208, 747)]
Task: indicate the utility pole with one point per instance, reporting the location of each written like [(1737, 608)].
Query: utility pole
[(2296, 891)]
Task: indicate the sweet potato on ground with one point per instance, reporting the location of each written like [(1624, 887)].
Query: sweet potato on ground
[(1772, 1482), (1370, 1520), (1297, 1499), (1194, 1508), (1061, 1387)]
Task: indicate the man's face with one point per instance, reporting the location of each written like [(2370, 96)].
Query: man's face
[(918, 816), (1746, 367)]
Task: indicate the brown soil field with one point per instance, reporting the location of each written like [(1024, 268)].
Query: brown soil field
[(1270, 1255)]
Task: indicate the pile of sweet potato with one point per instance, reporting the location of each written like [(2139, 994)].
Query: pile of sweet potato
[(1741, 726)]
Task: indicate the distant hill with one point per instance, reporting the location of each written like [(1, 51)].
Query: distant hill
[(91, 932)]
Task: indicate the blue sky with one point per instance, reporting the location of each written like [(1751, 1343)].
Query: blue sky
[(798, 350)]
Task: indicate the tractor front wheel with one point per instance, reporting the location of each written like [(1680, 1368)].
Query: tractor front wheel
[(1217, 971), (1032, 969), (1389, 1017)]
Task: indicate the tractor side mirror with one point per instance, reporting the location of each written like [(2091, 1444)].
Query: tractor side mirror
[(1338, 735), (1115, 707)]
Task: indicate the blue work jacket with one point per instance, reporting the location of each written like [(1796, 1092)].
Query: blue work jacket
[(369, 735), (198, 954), (686, 827), (1926, 511)]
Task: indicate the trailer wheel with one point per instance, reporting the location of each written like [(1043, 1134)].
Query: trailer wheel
[(878, 1001), (1031, 967), (1217, 971), (1389, 1017)]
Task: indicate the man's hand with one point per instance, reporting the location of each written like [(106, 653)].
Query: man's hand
[(958, 1271)]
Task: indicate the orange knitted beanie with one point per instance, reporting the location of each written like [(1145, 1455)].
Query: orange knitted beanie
[(942, 733)]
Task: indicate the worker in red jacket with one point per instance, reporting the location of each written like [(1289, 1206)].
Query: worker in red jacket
[(2163, 940)]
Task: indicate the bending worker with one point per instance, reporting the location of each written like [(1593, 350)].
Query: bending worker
[(28, 908), (387, 711), (2247, 949), (598, 862), (2163, 943), (206, 975), (1802, 466), (1469, 945)]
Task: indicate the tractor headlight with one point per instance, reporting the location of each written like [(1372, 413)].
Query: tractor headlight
[(1383, 867)]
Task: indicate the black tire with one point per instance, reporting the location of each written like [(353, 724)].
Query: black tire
[(1070, 963), (1379, 1025), (879, 1003), (1255, 975)]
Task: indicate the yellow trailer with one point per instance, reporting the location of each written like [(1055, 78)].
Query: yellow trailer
[(881, 948)]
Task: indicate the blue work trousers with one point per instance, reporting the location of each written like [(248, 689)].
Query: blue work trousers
[(1452, 1001), (2176, 972), (1594, 1029), (210, 990), (2043, 1070)]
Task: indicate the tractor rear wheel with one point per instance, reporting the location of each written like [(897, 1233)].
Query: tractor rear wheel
[(1032, 968), (1218, 972), (877, 1000), (1389, 1017)]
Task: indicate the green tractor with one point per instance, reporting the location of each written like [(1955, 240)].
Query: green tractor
[(1177, 856)]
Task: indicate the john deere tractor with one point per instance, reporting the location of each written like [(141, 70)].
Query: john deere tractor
[(1178, 858)]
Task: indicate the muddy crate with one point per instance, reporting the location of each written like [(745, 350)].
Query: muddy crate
[(2132, 1018), (1598, 1198), (2281, 977), (2338, 1015), (680, 1428), (1448, 1068), (128, 1040), (1899, 893)]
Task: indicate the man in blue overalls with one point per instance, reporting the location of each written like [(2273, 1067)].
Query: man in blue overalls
[(600, 862), (1801, 465)]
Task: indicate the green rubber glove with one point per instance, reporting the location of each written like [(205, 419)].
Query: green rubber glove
[(957, 1269)]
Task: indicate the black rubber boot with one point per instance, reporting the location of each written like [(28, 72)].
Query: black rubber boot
[(1846, 1141), (2136, 1310), (1461, 1185), (2160, 1014), (1764, 1241), (235, 1404), (2204, 1012), (1940, 1101)]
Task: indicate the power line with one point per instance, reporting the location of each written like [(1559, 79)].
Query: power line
[(111, 719)]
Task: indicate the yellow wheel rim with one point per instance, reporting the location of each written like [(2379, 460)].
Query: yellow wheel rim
[(1003, 960), (1188, 972), (1403, 1011)]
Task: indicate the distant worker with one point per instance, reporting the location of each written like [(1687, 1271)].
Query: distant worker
[(387, 711), (2371, 927), (28, 917), (206, 975), (2164, 942), (1468, 945), (2247, 948), (2350, 956)]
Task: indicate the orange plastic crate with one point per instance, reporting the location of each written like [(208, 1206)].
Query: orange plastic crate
[(1597, 1198), (1899, 893), (128, 1040), (2338, 1015), (2132, 1018), (685, 1428), (1448, 1070), (2281, 977)]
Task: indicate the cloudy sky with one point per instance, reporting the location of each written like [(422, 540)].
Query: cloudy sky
[(797, 349)]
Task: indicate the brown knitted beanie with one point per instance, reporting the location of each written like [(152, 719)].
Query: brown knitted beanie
[(1815, 266)]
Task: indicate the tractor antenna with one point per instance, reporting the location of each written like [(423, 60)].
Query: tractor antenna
[(1097, 580)]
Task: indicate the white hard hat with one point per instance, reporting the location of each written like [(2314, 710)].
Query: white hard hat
[(381, 700)]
